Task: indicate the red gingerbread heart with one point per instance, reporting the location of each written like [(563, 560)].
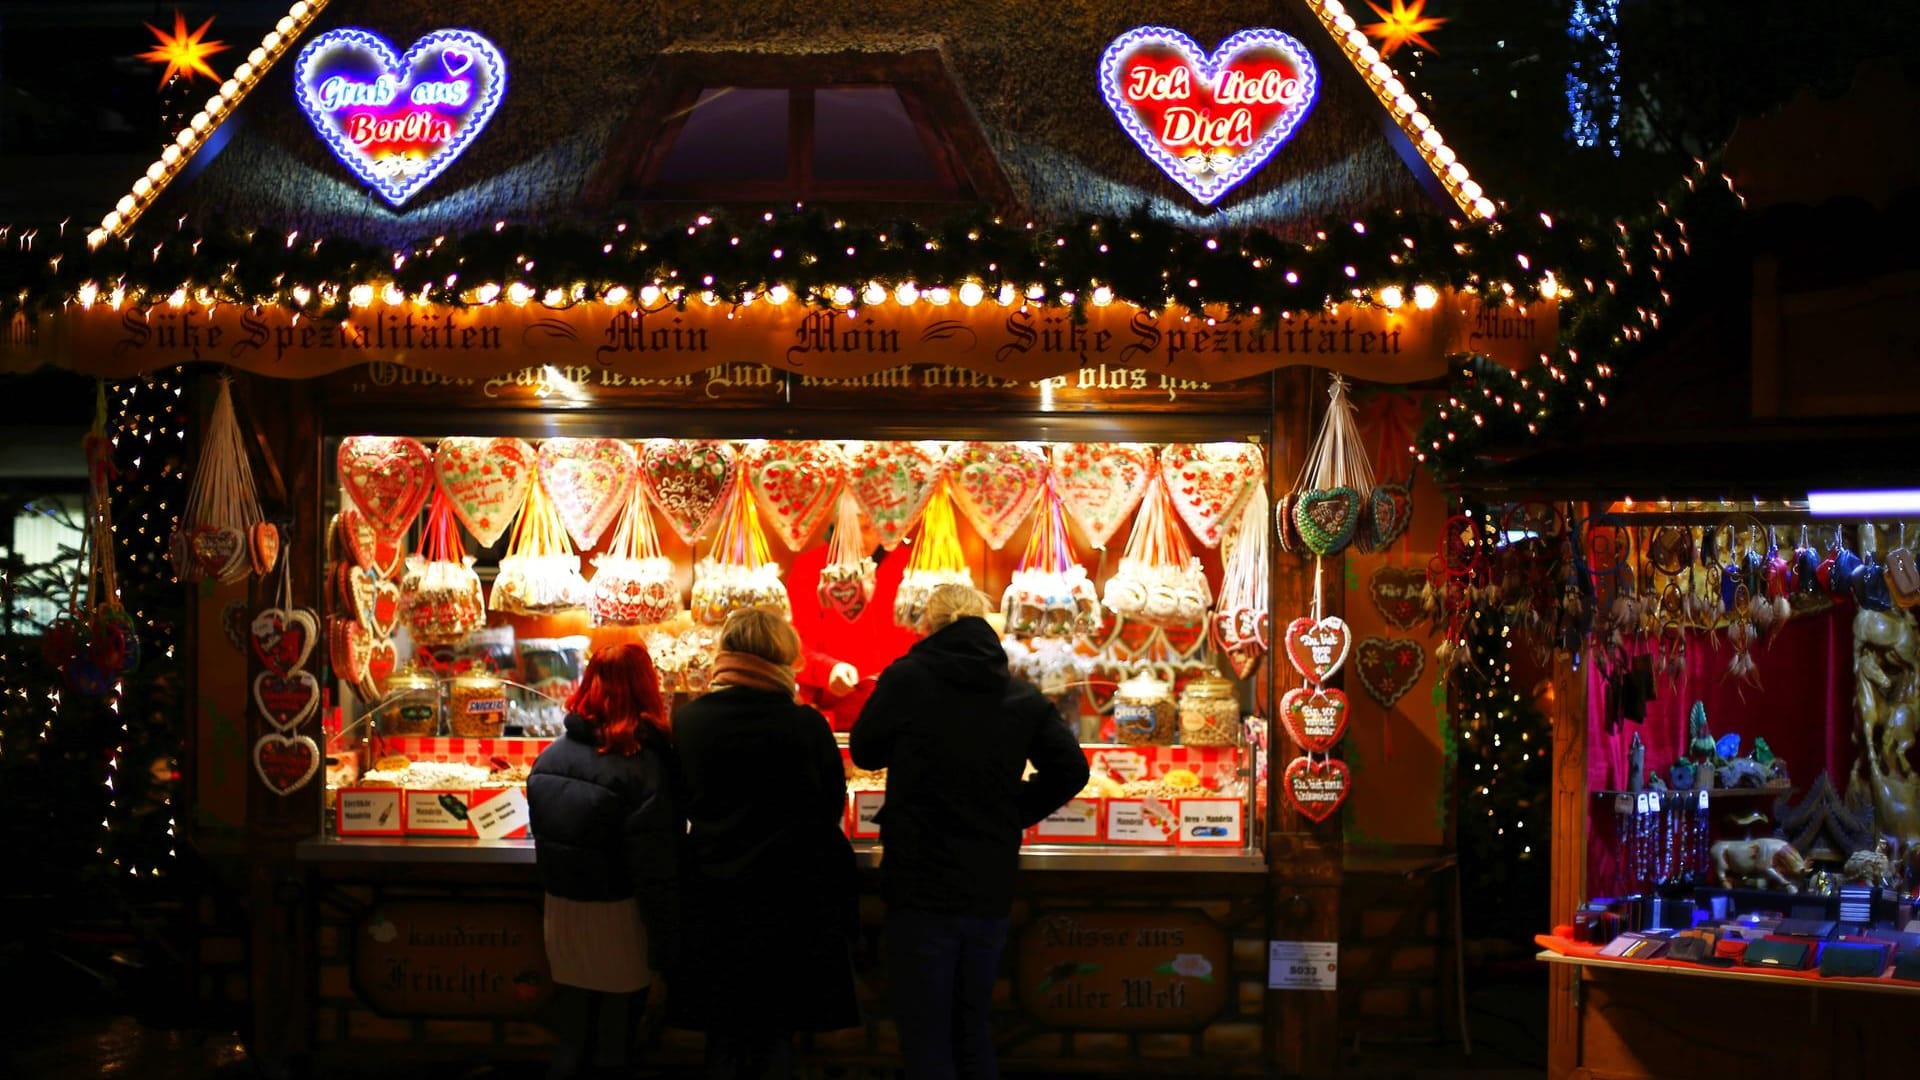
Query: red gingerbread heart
[(892, 482), (285, 762), (382, 659), (1101, 483), (283, 638), (286, 700), (1241, 636), (797, 485), (348, 648), (387, 478), (1389, 667), (687, 479), (1318, 649), (1314, 717), (1208, 482), (263, 545), (1317, 788), (383, 614), (1396, 592), (358, 542), (219, 553)]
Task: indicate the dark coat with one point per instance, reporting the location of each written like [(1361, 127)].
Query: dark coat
[(606, 827), (771, 884), (955, 731)]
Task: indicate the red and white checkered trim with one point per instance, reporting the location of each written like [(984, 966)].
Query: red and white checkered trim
[(455, 749)]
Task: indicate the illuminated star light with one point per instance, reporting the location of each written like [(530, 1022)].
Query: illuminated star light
[(1403, 25), (184, 54)]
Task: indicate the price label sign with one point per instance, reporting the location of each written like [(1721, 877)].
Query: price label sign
[(1303, 965), (501, 815)]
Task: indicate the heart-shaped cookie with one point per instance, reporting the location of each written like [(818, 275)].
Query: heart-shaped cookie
[(687, 479), (285, 762), (283, 638), (1315, 717), (383, 611), (1389, 667), (1184, 642), (892, 481), (1208, 483), (263, 547), (1396, 593), (397, 120), (797, 484), (286, 700), (1390, 511), (996, 486), (387, 478), (1100, 484), (356, 541), (588, 481), (846, 597), (485, 480), (1287, 531), (1316, 788), (1327, 518), (219, 553), (1241, 636), (349, 645), (1208, 120), (1318, 649)]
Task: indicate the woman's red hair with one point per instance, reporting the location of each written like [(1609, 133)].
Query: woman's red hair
[(619, 693)]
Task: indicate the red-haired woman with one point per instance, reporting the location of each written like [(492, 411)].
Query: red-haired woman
[(606, 833)]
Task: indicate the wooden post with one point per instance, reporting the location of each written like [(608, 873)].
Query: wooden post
[(1568, 714)]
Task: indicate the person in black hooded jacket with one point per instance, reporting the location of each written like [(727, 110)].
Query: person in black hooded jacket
[(956, 731)]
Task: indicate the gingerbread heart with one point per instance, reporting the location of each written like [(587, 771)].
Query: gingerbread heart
[(383, 611), (846, 597), (1315, 717), (1105, 631), (588, 481), (1327, 518), (892, 481), (1184, 642), (485, 480), (363, 588), (797, 484), (1396, 593), (361, 544), (382, 660), (283, 638), (1389, 667), (1240, 636), (1102, 682), (996, 486), (1390, 510), (1318, 649), (349, 645), (286, 700), (219, 553), (387, 478), (1317, 788), (285, 762), (687, 479), (1100, 484), (1208, 482), (1287, 531), (263, 547), (1132, 639)]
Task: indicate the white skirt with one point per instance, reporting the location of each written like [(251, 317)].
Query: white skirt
[(597, 944)]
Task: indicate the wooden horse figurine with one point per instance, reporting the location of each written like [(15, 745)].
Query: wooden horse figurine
[(1758, 861)]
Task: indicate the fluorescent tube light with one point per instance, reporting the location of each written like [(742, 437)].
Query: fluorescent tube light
[(1843, 503)]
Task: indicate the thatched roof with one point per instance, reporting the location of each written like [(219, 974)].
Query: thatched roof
[(578, 78)]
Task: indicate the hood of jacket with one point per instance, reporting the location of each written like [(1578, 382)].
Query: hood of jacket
[(965, 653)]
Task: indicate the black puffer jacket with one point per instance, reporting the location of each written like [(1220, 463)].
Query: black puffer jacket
[(954, 730), (607, 827)]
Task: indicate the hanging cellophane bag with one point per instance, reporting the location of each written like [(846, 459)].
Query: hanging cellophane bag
[(1242, 621), (540, 574), (1331, 504), (739, 571), (633, 584), (937, 560), (846, 582), (222, 513), (1050, 595), (440, 596), (1159, 582)]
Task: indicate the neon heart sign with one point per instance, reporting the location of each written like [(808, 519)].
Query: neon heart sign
[(399, 120), (1208, 121)]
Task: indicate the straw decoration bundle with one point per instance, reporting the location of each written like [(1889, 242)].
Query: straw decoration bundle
[(1329, 506), (633, 584), (739, 571), (540, 574), (222, 509), (937, 559)]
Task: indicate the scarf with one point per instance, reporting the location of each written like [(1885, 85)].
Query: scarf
[(752, 672)]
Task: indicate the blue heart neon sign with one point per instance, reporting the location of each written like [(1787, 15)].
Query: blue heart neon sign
[(399, 120)]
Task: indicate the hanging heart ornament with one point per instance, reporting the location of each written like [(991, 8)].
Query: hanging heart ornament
[(1389, 667), (387, 478), (485, 481), (796, 484), (1327, 518), (1318, 649), (1315, 717), (1208, 483), (1241, 636), (220, 553), (588, 481), (996, 485), (283, 638), (892, 481), (687, 479), (398, 120), (1396, 592), (1317, 788), (1100, 484), (1208, 121), (1390, 511), (263, 547), (286, 700), (348, 647), (285, 762), (356, 541)]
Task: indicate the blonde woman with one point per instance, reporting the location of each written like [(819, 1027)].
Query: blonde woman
[(770, 880), (955, 732)]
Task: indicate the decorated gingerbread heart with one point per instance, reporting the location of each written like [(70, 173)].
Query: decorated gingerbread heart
[(387, 478), (797, 485), (283, 638), (285, 762), (996, 486), (1315, 717), (383, 612), (1241, 636), (1390, 511), (687, 479), (1389, 667), (286, 700), (1184, 641), (349, 646), (485, 480), (263, 547), (892, 481), (382, 660), (1327, 518), (1396, 593), (1318, 649), (1208, 482), (219, 553), (1100, 484), (1316, 788), (588, 481), (362, 545)]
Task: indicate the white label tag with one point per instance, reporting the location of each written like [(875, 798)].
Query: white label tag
[(501, 815), (443, 813), (1303, 965), (370, 812), (1079, 819), (1210, 821), (1123, 765), (866, 808)]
